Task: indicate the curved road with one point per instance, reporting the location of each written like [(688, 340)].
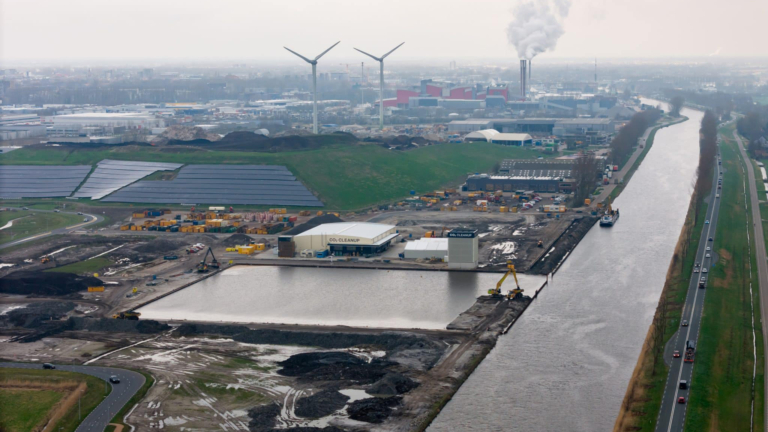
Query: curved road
[(92, 219), (672, 414), (99, 418)]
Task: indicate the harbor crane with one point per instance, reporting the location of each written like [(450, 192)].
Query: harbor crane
[(204, 267), (514, 294)]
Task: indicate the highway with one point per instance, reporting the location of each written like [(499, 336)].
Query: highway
[(762, 264), (672, 414), (92, 219), (99, 418)]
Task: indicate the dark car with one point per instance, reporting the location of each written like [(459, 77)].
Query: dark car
[(681, 400), (710, 239), (676, 354), (684, 323), (48, 366), (114, 379)]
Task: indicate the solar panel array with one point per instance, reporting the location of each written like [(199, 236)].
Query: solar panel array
[(222, 184), (39, 181), (111, 175)]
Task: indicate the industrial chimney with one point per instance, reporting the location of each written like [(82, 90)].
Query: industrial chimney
[(523, 76)]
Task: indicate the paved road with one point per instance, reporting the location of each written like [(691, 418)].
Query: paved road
[(92, 219), (672, 413), (99, 418), (762, 264)]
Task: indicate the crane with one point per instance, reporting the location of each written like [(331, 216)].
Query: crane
[(204, 267), (514, 294)]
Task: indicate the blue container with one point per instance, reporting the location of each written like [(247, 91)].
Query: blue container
[(154, 277), (413, 192)]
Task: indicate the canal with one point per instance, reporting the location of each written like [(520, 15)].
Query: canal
[(566, 364)]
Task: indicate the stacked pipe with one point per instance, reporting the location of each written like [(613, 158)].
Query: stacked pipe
[(523, 76)]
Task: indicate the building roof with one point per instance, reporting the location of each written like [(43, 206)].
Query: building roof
[(438, 244), (352, 229), (512, 137), (578, 121), (485, 134)]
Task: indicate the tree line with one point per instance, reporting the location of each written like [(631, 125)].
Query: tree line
[(625, 141), (707, 154), (754, 127)]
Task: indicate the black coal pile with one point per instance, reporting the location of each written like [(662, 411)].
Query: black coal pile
[(210, 329), (373, 410), (321, 404), (333, 366), (159, 246), (46, 283), (249, 141), (236, 239), (37, 314), (312, 223), (309, 429), (117, 325), (263, 417), (392, 384)]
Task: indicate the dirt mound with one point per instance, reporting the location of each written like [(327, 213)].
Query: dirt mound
[(315, 221), (249, 141), (373, 410), (236, 239), (391, 385), (117, 325), (263, 417), (308, 429), (46, 283), (333, 366), (210, 329), (36, 314), (179, 134), (159, 246), (321, 404)]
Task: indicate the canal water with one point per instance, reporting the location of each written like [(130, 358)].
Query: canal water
[(566, 363), (327, 296)]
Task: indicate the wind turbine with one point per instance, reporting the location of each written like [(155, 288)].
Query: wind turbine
[(313, 62), (381, 83)]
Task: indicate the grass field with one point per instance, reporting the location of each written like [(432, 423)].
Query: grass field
[(345, 178), (29, 407), (87, 266), (30, 225), (722, 393), (40, 383)]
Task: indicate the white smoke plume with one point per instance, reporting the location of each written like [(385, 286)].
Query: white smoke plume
[(537, 25)]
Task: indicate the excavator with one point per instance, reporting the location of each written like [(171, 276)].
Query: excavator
[(514, 294), (204, 267)]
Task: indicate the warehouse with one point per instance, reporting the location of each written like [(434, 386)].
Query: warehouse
[(516, 139), (535, 175), (347, 238), (427, 248), (482, 135)]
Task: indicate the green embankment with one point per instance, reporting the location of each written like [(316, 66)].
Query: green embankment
[(87, 266), (344, 177), (26, 225), (39, 405), (29, 408), (722, 390)]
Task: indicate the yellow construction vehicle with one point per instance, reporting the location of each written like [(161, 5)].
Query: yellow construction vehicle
[(127, 315), (514, 294), (45, 259)]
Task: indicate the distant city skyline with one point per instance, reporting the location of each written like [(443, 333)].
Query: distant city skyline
[(140, 31)]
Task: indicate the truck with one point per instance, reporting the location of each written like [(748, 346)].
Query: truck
[(690, 351)]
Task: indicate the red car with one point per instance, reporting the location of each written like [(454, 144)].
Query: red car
[(676, 354), (681, 400)]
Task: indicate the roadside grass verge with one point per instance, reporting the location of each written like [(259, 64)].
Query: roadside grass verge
[(721, 396), (26, 225), (65, 414), (30, 408), (87, 266), (344, 178)]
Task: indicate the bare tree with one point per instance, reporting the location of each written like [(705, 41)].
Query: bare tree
[(676, 104), (585, 171)]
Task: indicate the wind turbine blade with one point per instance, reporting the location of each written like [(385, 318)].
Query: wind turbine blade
[(393, 50), (323, 53), (294, 52), (371, 56)]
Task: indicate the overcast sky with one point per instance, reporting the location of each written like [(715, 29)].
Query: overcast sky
[(62, 31)]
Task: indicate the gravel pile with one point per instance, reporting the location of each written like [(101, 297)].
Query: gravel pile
[(321, 404)]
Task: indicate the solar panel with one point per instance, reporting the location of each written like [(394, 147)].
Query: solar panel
[(222, 184), (112, 175), (40, 181)]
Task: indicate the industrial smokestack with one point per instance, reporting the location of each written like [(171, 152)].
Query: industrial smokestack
[(530, 64), (522, 78)]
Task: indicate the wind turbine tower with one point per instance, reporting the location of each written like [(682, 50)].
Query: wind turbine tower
[(381, 81), (313, 62)]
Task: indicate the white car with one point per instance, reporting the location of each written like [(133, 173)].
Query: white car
[(708, 256), (704, 270), (709, 248), (696, 270)]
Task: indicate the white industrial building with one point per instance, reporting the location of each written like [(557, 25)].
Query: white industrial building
[(482, 135), (427, 248), (347, 238), (126, 120), (518, 139), (462, 249)]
